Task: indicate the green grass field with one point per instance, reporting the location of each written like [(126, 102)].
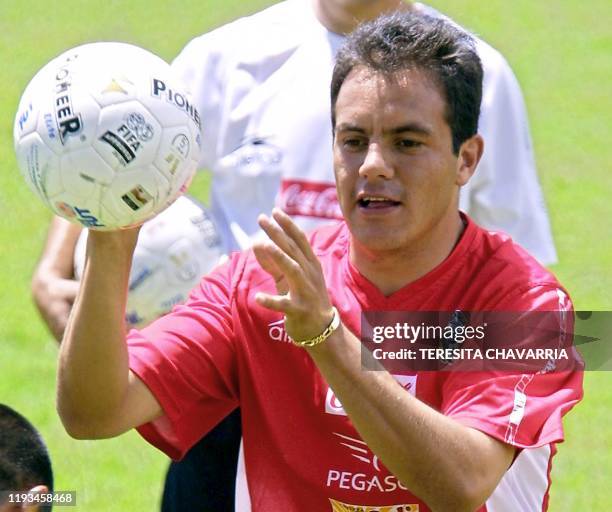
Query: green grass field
[(560, 50)]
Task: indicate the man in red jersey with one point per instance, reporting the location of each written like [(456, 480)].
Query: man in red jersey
[(276, 330)]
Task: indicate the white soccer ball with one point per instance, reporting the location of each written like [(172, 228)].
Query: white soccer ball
[(105, 135), (174, 250)]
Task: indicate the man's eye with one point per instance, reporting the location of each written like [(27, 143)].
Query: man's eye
[(409, 143), (354, 143)]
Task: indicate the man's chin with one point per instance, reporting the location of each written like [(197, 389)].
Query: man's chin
[(378, 240)]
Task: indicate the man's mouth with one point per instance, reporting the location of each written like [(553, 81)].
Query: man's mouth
[(376, 202)]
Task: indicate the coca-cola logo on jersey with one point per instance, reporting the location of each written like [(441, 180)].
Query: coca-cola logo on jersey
[(310, 199), (334, 406)]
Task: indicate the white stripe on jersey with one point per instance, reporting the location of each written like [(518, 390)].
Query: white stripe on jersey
[(525, 484), (243, 499)]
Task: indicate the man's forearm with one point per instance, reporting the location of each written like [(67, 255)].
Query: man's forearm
[(93, 369), (446, 464)]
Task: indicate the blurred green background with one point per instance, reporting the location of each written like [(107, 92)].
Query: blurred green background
[(561, 51)]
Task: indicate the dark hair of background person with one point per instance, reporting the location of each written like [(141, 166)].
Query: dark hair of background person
[(24, 459)]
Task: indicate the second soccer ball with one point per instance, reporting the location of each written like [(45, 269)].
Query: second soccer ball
[(174, 250)]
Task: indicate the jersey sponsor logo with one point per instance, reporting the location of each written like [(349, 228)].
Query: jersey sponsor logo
[(338, 506), (276, 331), (360, 481), (334, 406), (363, 482), (359, 450), (408, 382), (309, 199)]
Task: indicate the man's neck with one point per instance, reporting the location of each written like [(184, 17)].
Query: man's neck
[(390, 271), (344, 19)]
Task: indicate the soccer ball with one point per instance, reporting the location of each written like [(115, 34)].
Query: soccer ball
[(105, 136), (174, 250)]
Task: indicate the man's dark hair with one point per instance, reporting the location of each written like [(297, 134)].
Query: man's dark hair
[(405, 40), (24, 460)]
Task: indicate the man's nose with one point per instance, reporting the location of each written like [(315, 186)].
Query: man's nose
[(376, 163)]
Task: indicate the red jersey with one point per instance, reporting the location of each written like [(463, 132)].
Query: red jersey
[(221, 350)]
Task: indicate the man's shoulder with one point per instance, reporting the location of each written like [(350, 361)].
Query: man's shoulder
[(503, 269), (494, 65), (498, 250), (283, 16), (268, 31)]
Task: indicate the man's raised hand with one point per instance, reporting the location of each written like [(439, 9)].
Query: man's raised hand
[(301, 291)]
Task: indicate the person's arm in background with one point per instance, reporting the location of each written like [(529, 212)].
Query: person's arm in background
[(504, 194), (53, 286)]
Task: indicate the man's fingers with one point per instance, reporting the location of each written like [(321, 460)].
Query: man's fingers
[(282, 263), (264, 258), (279, 236), (276, 263), (294, 233), (281, 303)]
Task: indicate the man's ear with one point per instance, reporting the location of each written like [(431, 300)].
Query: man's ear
[(470, 153), (35, 507)]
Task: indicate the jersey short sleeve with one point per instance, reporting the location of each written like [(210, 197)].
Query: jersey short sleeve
[(521, 409), (187, 360)]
